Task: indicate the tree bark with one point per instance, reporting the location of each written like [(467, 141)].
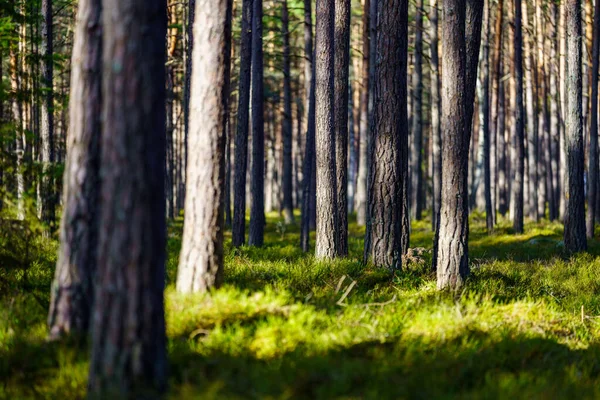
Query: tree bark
[(201, 259), (519, 111), (341, 77), (72, 288), (129, 345), (496, 73), (487, 187), (417, 119), (390, 123), (593, 155), (327, 221), (574, 235), (257, 208), (436, 107), (287, 173)]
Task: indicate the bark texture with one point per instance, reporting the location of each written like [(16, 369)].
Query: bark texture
[(327, 223), (72, 288), (519, 140), (341, 76), (574, 235), (593, 156), (416, 192), (128, 345), (436, 109), (201, 257), (287, 186)]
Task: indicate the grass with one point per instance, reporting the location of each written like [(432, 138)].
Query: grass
[(281, 328)]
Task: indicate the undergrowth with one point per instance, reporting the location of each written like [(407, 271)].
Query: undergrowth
[(287, 326)]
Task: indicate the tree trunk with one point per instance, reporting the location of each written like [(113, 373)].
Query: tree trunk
[(496, 73), (238, 229), (327, 221), (390, 123), (487, 187), (287, 173), (129, 345), (309, 156), (417, 118), (201, 258), (257, 208), (574, 236), (72, 288), (341, 77), (593, 156), (17, 111), (519, 166), (436, 107), (47, 113), (461, 39)]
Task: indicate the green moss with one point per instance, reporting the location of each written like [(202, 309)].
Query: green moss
[(277, 329)]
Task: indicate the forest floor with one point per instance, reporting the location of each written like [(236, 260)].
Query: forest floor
[(527, 324)]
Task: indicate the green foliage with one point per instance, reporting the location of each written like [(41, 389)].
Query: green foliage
[(287, 326)]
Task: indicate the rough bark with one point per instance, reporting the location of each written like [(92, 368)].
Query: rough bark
[(341, 81), (519, 140), (487, 187), (201, 257), (390, 123), (129, 346), (287, 170), (238, 229), (257, 181), (327, 223), (574, 235), (436, 108), (72, 288), (593, 155), (416, 192)]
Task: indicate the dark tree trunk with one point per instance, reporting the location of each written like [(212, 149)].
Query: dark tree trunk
[(436, 108), (186, 102), (201, 258), (309, 155), (416, 200), (72, 288), (487, 186), (47, 113), (593, 156), (257, 181), (519, 167), (574, 236), (341, 76), (129, 347), (327, 223), (390, 123), (461, 39), (287, 173), (238, 229), (496, 73), (361, 184)]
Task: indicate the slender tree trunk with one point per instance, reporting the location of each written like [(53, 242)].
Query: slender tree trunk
[(574, 236), (593, 156), (17, 111), (201, 258), (489, 213), (287, 173), (72, 288), (519, 167), (495, 106), (390, 123), (552, 155), (436, 107), (341, 77), (562, 159), (309, 155), (238, 229), (461, 39), (129, 345), (257, 208), (417, 119), (327, 221), (47, 127)]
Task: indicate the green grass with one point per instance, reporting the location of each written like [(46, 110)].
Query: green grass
[(278, 330)]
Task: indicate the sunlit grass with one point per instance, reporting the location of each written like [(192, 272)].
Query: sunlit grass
[(286, 326)]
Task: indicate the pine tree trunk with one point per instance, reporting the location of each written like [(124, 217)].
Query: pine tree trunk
[(238, 229), (593, 155), (47, 113), (436, 107), (574, 236), (390, 123), (72, 288), (17, 111), (327, 221), (257, 181), (201, 259), (416, 200), (341, 90), (129, 345), (489, 213), (519, 140), (287, 173)]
